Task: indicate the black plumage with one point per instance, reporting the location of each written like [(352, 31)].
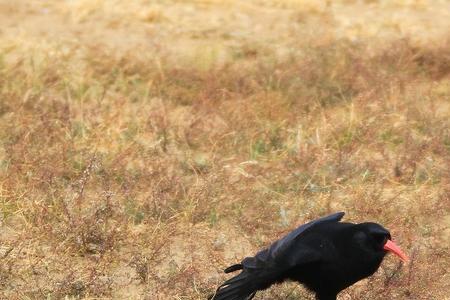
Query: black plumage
[(325, 255)]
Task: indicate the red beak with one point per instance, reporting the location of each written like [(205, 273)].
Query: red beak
[(391, 246)]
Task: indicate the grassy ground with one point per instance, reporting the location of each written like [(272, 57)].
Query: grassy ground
[(146, 145)]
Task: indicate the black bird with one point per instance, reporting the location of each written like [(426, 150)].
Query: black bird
[(325, 255)]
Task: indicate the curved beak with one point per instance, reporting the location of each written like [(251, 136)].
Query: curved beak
[(392, 247)]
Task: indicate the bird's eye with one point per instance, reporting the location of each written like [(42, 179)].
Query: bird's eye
[(380, 239)]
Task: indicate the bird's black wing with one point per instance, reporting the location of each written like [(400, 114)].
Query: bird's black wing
[(279, 247), (271, 264), (279, 250)]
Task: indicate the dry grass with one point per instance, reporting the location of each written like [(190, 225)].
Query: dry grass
[(146, 146)]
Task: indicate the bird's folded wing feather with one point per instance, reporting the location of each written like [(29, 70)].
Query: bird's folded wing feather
[(289, 249), (272, 264)]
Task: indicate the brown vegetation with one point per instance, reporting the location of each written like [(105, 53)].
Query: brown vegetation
[(145, 147)]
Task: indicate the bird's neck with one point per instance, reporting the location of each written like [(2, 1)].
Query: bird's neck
[(326, 296)]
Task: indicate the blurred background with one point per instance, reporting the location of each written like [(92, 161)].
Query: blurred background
[(147, 145)]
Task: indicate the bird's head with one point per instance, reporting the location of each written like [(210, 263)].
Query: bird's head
[(375, 238)]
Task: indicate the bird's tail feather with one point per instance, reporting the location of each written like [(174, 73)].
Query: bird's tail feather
[(239, 287), (233, 268)]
